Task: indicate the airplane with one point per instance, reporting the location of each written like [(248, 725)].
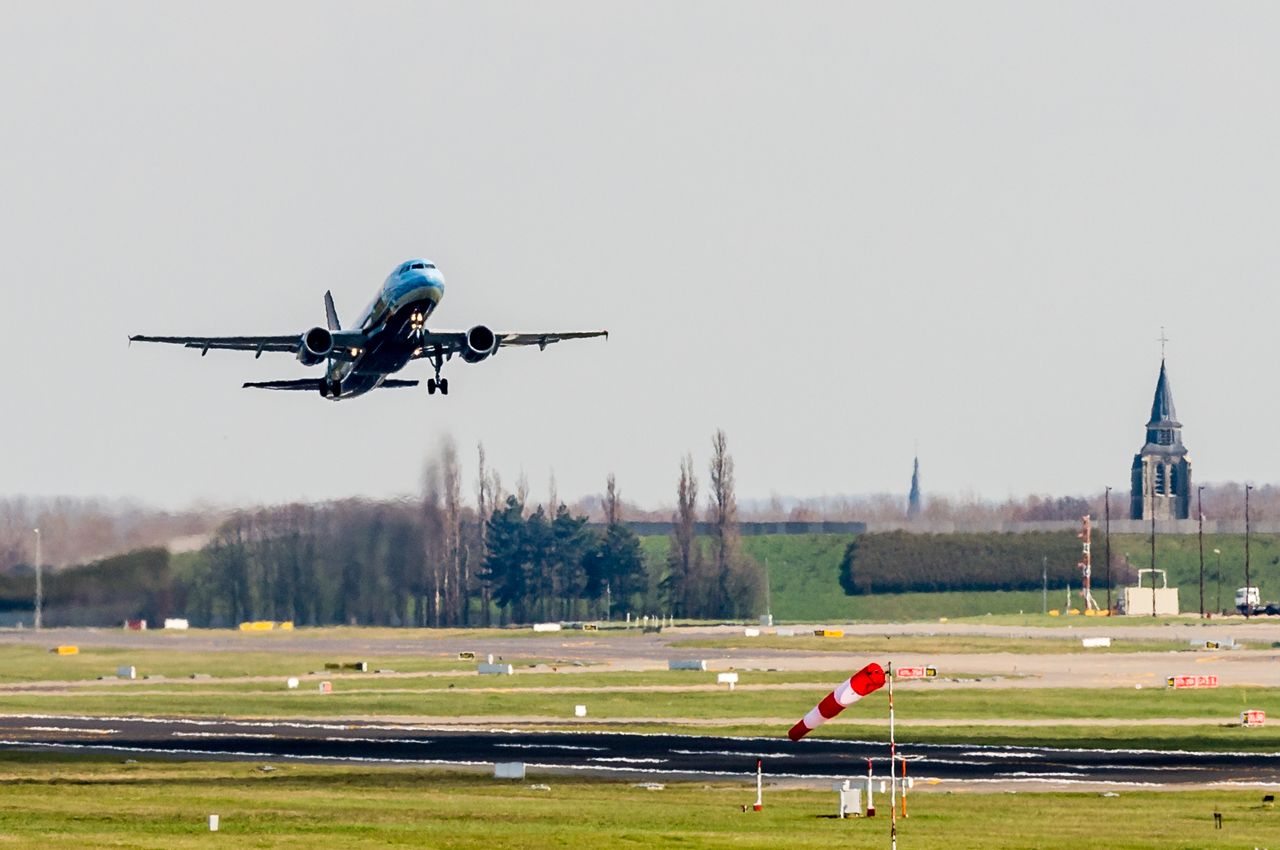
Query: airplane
[(390, 332)]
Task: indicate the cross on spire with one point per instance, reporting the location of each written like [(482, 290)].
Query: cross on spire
[(1163, 339)]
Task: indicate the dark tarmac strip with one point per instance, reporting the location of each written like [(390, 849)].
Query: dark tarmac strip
[(671, 757)]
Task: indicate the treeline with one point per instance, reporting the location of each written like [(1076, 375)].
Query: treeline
[(898, 562), (136, 585), (440, 561)]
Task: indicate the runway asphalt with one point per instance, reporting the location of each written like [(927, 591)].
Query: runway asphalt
[(652, 757)]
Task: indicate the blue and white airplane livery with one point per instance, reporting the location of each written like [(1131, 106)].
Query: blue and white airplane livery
[(389, 333)]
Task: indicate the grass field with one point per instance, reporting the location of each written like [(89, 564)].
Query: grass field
[(56, 802), (804, 568)]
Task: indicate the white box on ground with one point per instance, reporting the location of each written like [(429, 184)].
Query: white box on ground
[(546, 627), (496, 669), (291, 683), (508, 770), (1096, 642), (850, 799), (126, 672), (213, 823), (579, 711), (786, 632), (679, 664), (727, 678), (176, 623), (751, 633)]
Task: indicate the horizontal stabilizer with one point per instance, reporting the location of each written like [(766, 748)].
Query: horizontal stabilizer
[(307, 384)]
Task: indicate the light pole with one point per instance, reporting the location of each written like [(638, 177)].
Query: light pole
[(39, 581), (1248, 608), (1200, 511), (1108, 538), (1218, 552)]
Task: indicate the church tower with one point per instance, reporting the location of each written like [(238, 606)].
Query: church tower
[(1161, 476)]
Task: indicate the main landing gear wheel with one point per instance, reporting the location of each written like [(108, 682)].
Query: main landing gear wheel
[(441, 384)]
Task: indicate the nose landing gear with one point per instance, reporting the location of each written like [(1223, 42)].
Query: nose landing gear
[(437, 383)]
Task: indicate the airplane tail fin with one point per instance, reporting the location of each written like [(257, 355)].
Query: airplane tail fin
[(331, 313)]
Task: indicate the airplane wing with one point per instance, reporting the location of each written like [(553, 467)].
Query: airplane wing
[(342, 341), (231, 343), (450, 342)]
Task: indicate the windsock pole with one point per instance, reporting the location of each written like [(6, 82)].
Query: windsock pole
[(893, 756), (866, 680)]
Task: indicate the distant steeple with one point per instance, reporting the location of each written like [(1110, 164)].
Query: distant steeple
[(913, 500), (1162, 413)]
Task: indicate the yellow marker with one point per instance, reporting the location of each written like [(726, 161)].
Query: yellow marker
[(65, 650)]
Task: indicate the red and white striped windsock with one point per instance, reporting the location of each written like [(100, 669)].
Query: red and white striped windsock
[(866, 680)]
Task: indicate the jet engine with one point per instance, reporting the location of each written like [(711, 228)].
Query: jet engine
[(480, 343), (317, 344)]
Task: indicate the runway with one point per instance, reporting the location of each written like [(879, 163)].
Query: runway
[(652, 757)]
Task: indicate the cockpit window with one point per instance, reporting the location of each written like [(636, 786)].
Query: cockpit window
[(418, 266)]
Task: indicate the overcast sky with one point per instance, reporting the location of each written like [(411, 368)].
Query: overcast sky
[(832, 229)]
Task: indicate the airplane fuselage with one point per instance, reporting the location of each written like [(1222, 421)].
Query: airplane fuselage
[(408, 297)]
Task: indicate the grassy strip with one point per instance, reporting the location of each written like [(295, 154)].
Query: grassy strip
[(922, 702), (85, 802), (35, 664), (881, 644)]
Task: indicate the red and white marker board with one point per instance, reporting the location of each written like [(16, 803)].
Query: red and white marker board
[(1193, 681), (866, 680), (1253, 718), (915, 672)]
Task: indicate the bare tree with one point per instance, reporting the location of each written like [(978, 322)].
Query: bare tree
[(724, 509), (612, 501), (457, 584), (681, 584), (485, 499)]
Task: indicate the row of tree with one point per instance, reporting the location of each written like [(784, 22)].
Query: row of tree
[(443, 562), (435, 562)]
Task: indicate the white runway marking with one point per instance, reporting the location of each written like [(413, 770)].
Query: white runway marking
[(551, 747)]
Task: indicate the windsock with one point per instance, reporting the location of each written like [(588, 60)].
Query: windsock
[(866, 680)]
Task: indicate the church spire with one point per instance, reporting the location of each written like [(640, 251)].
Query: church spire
[(1162, 412), (913, 500)]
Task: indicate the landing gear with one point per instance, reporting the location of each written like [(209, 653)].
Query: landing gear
[(330, 389), (437, 383)]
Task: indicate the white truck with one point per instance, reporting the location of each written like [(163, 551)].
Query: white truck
[(1249, 602)]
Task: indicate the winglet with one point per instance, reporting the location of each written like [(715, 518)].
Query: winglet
[(330, 313)]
